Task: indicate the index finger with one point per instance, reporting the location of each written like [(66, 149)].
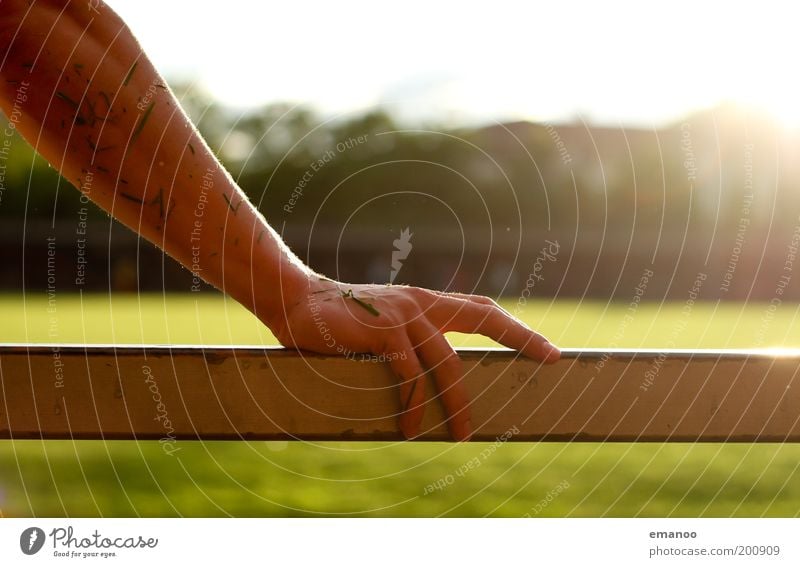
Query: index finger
[(488, 319)]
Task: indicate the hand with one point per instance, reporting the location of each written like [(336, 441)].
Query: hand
[(406, 326)]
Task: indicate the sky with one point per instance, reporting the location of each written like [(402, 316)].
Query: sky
[(610, 62)]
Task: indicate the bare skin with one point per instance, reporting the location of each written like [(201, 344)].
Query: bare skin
[(91, 103)]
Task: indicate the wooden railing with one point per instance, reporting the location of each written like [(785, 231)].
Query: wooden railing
[(172, 393)]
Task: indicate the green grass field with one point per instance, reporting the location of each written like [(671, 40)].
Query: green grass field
[(299, 479)]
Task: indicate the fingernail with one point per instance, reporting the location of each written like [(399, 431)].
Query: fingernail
[(550, 352)]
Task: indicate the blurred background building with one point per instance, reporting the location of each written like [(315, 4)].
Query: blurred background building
[(669, 148)]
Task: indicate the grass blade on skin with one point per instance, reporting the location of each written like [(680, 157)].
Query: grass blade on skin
[(368, 306), (142, 122), (130, 74)]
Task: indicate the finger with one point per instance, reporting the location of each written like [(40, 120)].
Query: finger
[(466, 316), (442, 360), (482, 299), (409, 370)]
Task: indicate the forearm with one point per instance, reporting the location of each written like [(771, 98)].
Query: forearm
[(93, 105)]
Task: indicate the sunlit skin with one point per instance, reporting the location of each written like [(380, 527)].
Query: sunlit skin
[(89, 100)]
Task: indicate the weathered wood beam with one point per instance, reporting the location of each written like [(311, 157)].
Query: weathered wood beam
[(183, 392)]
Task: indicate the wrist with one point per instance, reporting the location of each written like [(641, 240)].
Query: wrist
[(279, 281)]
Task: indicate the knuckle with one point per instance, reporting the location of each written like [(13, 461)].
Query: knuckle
[(492, 303), (391, 342), (489, 311), (410, 308), (421, 295), (485, 300), (424, 292), (497, 312)]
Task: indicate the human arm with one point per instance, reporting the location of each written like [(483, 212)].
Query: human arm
[(96, 108)]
